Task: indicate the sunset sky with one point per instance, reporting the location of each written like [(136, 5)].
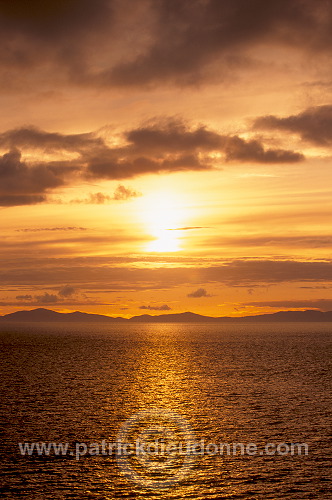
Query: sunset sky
[(166, 156)]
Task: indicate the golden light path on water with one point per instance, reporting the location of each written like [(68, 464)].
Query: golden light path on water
[(169, 385), (165, 382)]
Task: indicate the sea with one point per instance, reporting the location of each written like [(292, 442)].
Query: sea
[(166, 411)]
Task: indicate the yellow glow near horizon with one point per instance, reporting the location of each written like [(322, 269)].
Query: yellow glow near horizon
[(162, 212)]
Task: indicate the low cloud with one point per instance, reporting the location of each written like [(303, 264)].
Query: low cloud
[(22, 184), (164, 307), (313, 125), (119, 274), (200, 292), (46, 298), (322, 304), (67, 291), (64, 293)]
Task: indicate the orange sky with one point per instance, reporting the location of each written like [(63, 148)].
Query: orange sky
[(166, 156)]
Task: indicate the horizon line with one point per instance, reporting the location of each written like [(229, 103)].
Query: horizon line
[(179, 314)]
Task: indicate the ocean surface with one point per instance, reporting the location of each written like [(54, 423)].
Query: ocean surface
[(88, 384)]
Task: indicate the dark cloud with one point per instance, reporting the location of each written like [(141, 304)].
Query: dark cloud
[(172, 136), (48, 20), (313, 124), (17, 200), (176, 137), (51, 35), (158, 42), (268, 271), (238, 149), (28, 184), (172, 146), (118, 274), (21, 184), (164, 307), (34, 138), (46, 298), (109, 166), (190, 36), (322, 304), (200, 292), (67, 291), (166, 146)]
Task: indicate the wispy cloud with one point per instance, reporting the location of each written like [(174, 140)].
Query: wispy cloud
[(42, 229), (121, 193), (186, 228)]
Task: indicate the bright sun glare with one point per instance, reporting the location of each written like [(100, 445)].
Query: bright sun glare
[(163, 213)]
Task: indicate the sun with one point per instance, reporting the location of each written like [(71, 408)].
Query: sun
[(164, 214), (166, 241)]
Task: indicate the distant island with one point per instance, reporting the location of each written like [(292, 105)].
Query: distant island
[(47, 315)]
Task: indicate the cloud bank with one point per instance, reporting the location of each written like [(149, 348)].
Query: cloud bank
[(313, 124), (148, 43), (164, 146)]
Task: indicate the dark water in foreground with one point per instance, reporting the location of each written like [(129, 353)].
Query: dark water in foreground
[(229, 383)]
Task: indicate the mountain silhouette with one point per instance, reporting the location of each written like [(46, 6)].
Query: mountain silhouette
[(47, 315)]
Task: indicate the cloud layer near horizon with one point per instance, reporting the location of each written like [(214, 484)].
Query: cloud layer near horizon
[(236, 272), (322, 304)]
